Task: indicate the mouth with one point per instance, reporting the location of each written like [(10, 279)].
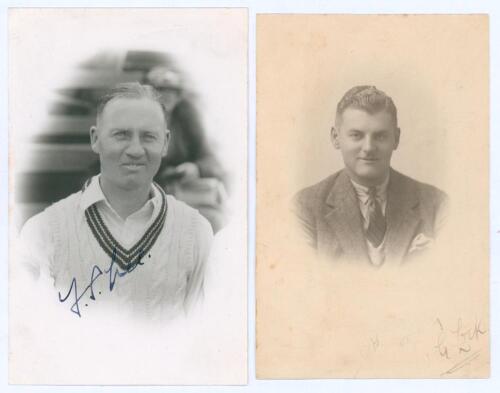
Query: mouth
[(368, 160), (133, 167)]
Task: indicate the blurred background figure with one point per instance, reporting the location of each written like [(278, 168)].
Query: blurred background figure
[(63, 160), (190, 170)]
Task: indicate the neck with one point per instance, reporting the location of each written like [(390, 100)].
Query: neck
[(124, 202), (370, 182)]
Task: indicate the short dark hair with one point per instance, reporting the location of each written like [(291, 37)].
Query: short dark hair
[(367, 98), (130, 90)]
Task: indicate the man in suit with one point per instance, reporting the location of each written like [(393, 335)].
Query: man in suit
[(368, 212)]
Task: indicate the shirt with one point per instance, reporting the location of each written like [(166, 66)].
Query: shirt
[(376, 254), (127, 231), (59, 245)]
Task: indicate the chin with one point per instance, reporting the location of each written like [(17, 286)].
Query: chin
[(133, 184), (371, 175)]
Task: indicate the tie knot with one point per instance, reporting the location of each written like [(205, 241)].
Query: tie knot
[(372, 192)]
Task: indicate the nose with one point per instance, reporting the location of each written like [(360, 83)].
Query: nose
[(135, 148), (368, 144)]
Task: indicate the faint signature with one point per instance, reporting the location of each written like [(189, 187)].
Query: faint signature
[(456, 343), (113, 273)]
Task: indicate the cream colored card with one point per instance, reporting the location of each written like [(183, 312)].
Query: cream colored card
[(50, 51), (428, 318)]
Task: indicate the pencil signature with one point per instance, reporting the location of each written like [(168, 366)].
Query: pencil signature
[(113, 273), (456, 342)]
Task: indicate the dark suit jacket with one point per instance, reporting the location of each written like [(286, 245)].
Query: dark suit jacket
[(330, 215)]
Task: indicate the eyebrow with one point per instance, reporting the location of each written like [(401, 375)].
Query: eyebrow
[(383, 131), (141, 131), (355, 130)]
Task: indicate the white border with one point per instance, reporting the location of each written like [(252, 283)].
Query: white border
[(290, 6)]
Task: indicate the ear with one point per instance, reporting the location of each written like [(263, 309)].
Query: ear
[(396, 136), (334, 137), (94, 137), (165, 143)]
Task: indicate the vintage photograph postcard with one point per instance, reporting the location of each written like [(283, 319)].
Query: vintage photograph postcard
[(372, 196), (127, 196)]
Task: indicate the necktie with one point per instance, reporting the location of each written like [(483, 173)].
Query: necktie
[(376, 220)]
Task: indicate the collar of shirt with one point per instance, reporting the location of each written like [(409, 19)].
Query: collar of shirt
[(362, 192), (93, 194), (127, 232)]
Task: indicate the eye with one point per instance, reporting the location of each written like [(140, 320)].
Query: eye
[(120, 134), (355, 135), (381, 137), (149, 137)]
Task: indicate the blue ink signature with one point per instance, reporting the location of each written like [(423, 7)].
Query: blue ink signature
[(113, 273)]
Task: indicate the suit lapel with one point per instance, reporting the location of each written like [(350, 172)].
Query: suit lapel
[(402, 216), (344, 218)]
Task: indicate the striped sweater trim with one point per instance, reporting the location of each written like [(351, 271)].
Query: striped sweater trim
[(127, 259)]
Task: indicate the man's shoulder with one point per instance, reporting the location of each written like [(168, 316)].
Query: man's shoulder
[(314, 197), (191, 230), (66, 205), (187, 214), (180, 207), (46, 221), (423, 191), (316, 194)]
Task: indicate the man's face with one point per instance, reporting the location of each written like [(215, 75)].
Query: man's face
[(366, 142), (131, 139)]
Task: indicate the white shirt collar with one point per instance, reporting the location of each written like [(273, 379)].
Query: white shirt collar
[(93, 194), (363, 192)]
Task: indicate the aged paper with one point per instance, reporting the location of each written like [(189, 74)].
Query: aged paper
[(67, 55), (427, 318)]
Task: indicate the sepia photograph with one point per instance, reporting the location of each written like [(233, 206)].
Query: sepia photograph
[(127, 184), (367, 209), (372, 220)]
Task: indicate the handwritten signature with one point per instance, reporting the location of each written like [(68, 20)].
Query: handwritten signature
[(457, 342), (113, 273)]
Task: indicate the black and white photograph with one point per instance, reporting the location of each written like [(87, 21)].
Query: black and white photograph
[(128, 195)]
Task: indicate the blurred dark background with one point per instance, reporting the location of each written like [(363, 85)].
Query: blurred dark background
[(63, 161)]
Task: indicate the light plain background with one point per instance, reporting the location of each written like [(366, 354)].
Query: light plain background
[(381, 6), (315, 319), (46, 46)]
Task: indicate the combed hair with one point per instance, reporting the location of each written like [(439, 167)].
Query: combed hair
[(130, 90), (367, 98)]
